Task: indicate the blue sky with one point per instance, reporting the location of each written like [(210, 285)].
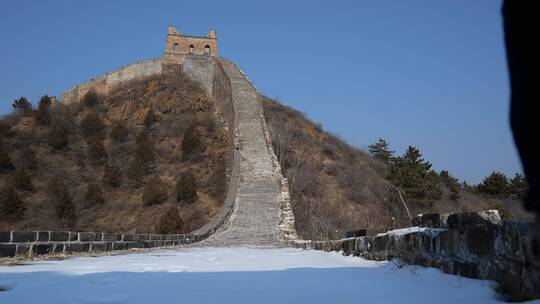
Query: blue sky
[(426, 73)]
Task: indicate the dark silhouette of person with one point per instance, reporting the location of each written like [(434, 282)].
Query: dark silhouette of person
[(522, 30)]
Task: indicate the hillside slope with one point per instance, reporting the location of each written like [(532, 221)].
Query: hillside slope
[(144, 120), (336, 187)]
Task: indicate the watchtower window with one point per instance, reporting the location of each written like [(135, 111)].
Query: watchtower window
[(175, 46), (191, 48), (207, 49)]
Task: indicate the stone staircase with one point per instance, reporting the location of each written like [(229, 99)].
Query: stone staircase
[(256, 215)]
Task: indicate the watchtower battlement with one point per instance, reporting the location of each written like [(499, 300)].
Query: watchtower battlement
[(179, 45)]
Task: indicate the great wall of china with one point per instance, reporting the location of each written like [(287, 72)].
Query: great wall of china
[(257, 210)]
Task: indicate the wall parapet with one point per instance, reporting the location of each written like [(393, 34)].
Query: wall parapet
[(475, 247), (33, 243), (105, 82)]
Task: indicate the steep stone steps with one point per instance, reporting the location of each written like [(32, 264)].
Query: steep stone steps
[(256, 214)]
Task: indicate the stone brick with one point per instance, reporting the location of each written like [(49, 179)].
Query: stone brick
[(77, 247), (24, 236), (8, 250), (5, 236), (40, 249), (128, 237), (59, 236), (43, 236), (87, 237), (110, 237), (119, 246), (97, 246)]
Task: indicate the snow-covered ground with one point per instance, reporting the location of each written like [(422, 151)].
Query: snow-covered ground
[(233, 275)]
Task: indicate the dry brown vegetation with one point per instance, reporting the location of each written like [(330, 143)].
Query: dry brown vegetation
[(336, 187), (88, 149)]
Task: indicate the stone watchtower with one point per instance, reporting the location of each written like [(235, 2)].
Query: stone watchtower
[(179, 46)]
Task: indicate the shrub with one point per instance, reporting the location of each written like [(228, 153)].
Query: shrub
[(186, 188), (27, 159), (119, 131), (5, 161), (144, 150), (11, 206), (170, 223), (96, 150), (94, 195), (155, 192), (21, 180), (58, 135), (149, 119), (92, 125), (58, 195), (136, 171), (90, 99), (42, 115), (191, 142), (112, 176), (217, 184), (22, 106)]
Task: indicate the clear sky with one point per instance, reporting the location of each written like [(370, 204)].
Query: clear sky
[(426, 73)]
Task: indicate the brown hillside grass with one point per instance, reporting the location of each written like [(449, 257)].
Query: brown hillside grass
[(335, 187), (176, 103)]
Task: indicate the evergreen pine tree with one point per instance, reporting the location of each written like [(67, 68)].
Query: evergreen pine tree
[(380, 150)]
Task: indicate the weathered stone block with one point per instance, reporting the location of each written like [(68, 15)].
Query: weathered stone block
[(432, 220), (128, 237), (462, 221), (142, 237), (39, 249), (119, 246), (43, 236), (8, 250), (77, 247), (480, 239), (24, 236), (155, 237), (365, 232), (380, 243), (97, 247), (87, 237), (447, 242), (5, 236), (109, 237), (73, 236), (58, 248), (23, 249), (108, 246), (59, 236)]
